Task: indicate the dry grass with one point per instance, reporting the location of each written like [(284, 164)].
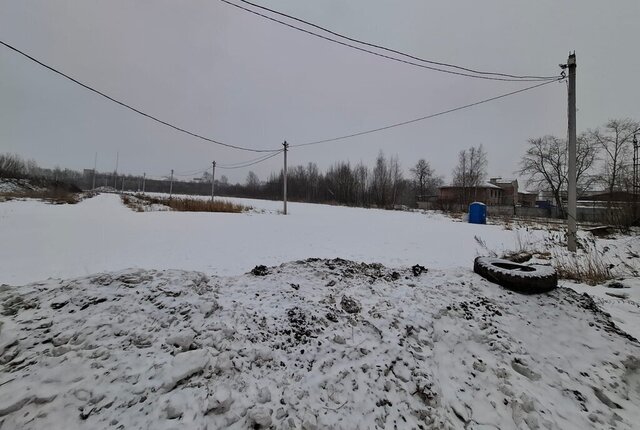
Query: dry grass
[(183, 204), (52, 195), (588, 268)]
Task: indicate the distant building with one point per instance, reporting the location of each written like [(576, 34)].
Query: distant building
[(496, 192), (509, 188), (605, 196), (486, 193), (527, 198)]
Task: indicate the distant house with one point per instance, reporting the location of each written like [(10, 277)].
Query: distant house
[(527, 198), (510, 188), (486, 193), (496, 192), (605, 196)]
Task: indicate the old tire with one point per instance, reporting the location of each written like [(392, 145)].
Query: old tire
[(517, 277)]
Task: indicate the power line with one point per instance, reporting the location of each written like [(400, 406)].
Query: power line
[(228, 165), (247, 164), (393, 50), (492, 75), (399, 124), (231, 166), (182, 130), (193, 173)]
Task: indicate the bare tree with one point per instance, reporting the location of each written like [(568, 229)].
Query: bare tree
[(253, 182), (206, 177), (421, 172), (545, 163), (471, 170), (615, 139), (380, 181), (425, 180), (12, 166), (396, 179), (361, 174), (313, 178)]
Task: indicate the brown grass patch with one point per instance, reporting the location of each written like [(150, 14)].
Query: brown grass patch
[(183, 204), (54, 195), (588, 268)]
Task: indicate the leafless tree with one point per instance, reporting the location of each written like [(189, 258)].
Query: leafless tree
[(12, 166), (313, 181), (396, 177), (253, 182), (206, 177), (545, 163), (615, 139), (361, 173), (425, 181), (471, 170), (421, 172), (380, 181)]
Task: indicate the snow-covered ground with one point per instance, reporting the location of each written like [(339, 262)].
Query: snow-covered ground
[(312, 344), (163, 326), (100, 234), (17, 186)]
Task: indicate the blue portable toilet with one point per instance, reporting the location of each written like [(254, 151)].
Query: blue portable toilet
[(477, 213)]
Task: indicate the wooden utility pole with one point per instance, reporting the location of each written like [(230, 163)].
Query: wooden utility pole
[(636, 185), (144, 178), (171, 186), (213, 179), (286, 147), (572, 192)]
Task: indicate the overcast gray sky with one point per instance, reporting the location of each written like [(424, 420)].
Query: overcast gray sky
[(235, 77)]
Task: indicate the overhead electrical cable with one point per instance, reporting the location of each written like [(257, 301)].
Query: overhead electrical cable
[(193, 173), (399, 124), (180, 129), (472, 73), (373, 45), (265, 158), (228, 165)]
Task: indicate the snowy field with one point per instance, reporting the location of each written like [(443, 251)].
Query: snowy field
[(101, 234), (116, 319)]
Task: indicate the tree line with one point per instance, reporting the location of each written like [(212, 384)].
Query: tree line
[(603, 161), (384, 185)]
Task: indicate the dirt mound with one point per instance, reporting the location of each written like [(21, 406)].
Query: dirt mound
[(316, 344)]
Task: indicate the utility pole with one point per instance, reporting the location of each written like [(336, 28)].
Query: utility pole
[(572, 192), (144, 178), (213, 180), (286, 147), (115, 173), (171, 186), (636, 185), (95, 165)]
